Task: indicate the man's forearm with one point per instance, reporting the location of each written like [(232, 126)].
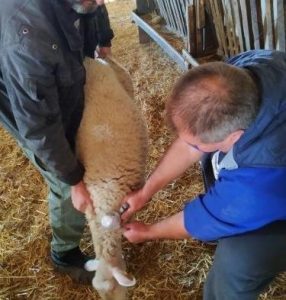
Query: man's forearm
[(175, 162), (170, 228)]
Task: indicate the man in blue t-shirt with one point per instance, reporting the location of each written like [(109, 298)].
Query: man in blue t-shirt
[(232, 117)]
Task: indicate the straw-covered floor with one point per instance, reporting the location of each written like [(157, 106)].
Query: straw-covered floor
[(164, 270)]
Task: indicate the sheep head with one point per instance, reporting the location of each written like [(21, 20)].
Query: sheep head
[(110, 281)]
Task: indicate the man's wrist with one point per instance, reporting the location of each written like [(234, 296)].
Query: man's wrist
[(152, 232), (169, 228), (78, 184)]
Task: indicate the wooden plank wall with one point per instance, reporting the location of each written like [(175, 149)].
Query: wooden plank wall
[(190, 20), (242, 25), (173, 11), (239, 25)]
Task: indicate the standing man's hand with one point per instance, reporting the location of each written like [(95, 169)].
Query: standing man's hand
[(135, 200), (102, 52), (99, 2), (80, 196)]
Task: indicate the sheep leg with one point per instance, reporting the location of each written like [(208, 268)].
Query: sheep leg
[(108, 250)]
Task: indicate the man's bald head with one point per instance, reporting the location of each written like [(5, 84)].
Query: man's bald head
[(213, 100)]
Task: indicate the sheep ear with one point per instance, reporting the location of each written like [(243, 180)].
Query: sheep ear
[(91, 265), (122, 278)]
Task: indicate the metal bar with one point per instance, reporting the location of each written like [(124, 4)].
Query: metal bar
[(172, 52), (189, 58)]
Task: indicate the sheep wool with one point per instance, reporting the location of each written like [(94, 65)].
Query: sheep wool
[(112, 146)]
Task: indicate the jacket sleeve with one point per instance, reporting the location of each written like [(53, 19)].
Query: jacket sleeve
[(96, 31), (241, 200), (104, 31), (32, 91)]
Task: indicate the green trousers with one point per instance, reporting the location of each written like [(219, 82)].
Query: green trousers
[(66, 222)]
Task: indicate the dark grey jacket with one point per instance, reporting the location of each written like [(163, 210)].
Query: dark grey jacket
[(42, 45)]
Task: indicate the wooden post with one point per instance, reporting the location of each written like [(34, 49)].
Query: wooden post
[(227, 16), (230, 13), (238, 26), (268, 26), (280, 26), (218, 20), (246, 28), (254, 23), (191, 29), (198, 27), (145, 6)]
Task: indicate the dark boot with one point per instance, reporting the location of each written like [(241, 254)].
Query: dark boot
[(72, 262)]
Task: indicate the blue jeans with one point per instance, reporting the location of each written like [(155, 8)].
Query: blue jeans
[(244, 265)]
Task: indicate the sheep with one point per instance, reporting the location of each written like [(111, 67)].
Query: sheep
[(112, 145)]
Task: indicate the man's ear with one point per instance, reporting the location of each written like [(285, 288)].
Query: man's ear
[(235, 136)]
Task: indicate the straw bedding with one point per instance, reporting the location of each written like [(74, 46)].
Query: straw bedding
[(164, 269)]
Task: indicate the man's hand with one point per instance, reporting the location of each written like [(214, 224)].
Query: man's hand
[(80, 196), (99, 2), (175, 162), (169, 228), (136, 201), (136, 232), (102, 52)]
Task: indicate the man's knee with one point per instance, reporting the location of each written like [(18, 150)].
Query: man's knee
[(245, 265), (238, 270)]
